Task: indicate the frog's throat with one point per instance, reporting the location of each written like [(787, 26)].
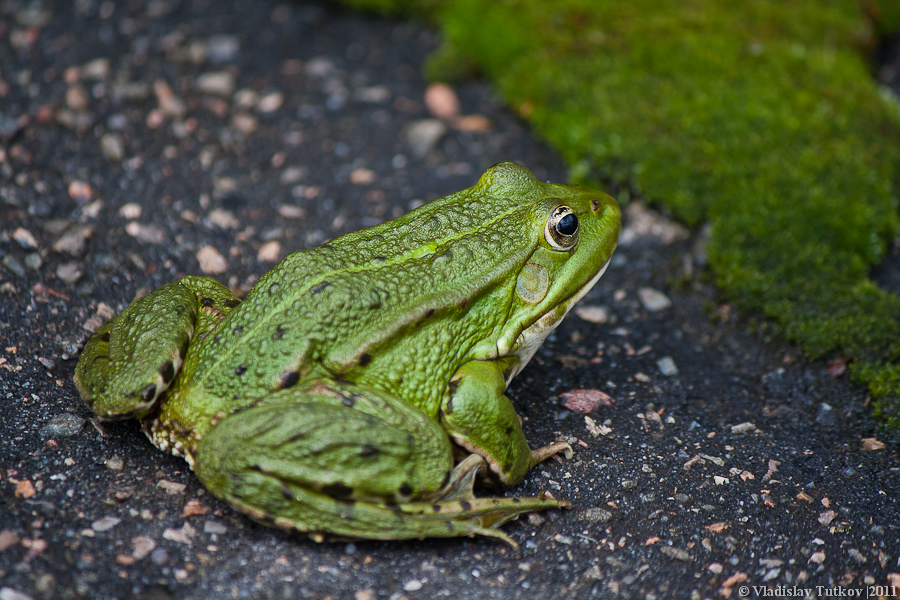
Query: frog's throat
[(534, 335)]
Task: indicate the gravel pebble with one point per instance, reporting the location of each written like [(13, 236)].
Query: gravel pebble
[(63, 425), (13, 264), (653, 300), (596, 515), (25, 238), (246, 124), (214, 527), (149, 233), (423, 135), (159, 556), (112, 147), (33, 261), (217, 83), (8, 593), (105, 524), (69, 272), (116, 463), (676, 553), (743, 428), (9, 126), (223, 48), (442, 101), (171, 487), (96, 69), (269, 252), (72, 242), (224, 219), (592, 314), (184, 535), (667, 366), (270, 102)]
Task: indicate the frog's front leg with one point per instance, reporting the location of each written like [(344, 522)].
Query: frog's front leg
[(339, 459), (134, 357), (481, 419)]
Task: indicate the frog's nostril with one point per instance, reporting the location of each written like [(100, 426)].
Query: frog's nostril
[(595, 205)]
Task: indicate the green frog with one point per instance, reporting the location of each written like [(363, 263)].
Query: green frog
[(358, 390)]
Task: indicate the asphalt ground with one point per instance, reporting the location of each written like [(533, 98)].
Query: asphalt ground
[(140, 142)]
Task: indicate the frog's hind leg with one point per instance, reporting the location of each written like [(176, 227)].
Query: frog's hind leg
[(134, 357), (350, 462)]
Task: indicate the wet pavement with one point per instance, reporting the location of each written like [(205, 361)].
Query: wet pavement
[(143, 142)]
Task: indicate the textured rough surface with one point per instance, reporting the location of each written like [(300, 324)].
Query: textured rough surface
[(664, 502)]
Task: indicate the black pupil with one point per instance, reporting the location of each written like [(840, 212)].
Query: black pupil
[(568, 225)]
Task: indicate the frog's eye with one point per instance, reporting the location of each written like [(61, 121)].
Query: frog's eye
[(561, 231)]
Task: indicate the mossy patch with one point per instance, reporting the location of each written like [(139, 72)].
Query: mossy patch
[(760, 117)]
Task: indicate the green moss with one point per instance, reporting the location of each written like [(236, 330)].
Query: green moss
[(885, 14), (884, 381), (450, 64), (761, 117)]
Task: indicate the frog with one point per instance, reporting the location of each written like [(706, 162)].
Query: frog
[(358, 391)]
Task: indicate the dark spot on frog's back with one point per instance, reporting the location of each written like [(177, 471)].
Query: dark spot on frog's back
[(242, 368), (319, 287), (280, 330), (167, 371), (365, 359), (289, 379), (337, 490), (206, 302), (406, 489), (232, 303), (368, 451)]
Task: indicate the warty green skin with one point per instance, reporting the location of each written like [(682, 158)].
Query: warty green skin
[(334, 399)]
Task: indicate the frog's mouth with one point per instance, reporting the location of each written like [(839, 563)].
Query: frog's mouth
[(534, 335)]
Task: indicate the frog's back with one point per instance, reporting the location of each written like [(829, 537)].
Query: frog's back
[(348, 309)]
